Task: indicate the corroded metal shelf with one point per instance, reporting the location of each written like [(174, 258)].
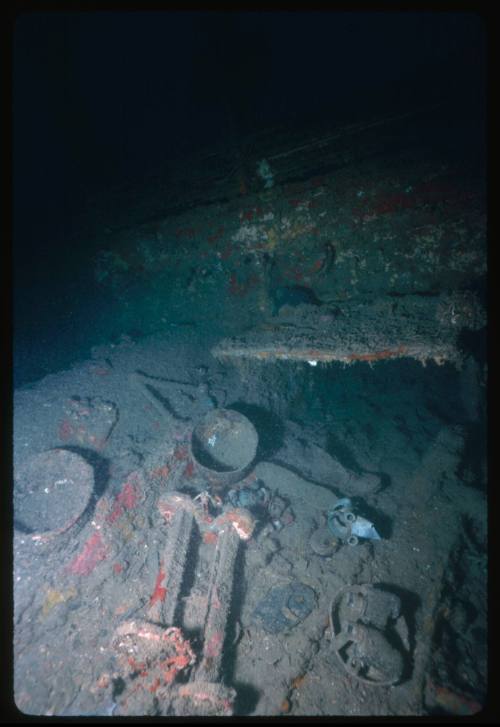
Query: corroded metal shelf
[(425, 329)]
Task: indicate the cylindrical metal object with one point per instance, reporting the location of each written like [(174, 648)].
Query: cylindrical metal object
[(162, 610), (223, 446), (219, 603), (51, 493)]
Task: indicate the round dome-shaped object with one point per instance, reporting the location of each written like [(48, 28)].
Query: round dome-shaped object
[(223, 445), (323, 542)]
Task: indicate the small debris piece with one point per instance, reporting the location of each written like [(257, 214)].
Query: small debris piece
[(205, 699), (450, 701), (152, 653), (241, 520)]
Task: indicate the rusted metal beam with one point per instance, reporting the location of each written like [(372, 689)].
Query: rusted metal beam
[(313, 355)]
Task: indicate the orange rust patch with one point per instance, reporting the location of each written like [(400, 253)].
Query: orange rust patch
[(285, 706), (160, 591), (93, 551), (298, 681), (66, 430), (457, 704), (181, 453), (241, 521), (209, 538), (138, 666), (154, 686), (99, 371), (161, 472), (377, 355), (104, 681)]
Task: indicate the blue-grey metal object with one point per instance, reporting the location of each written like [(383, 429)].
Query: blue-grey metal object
[(284, 607), (347, 526)]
